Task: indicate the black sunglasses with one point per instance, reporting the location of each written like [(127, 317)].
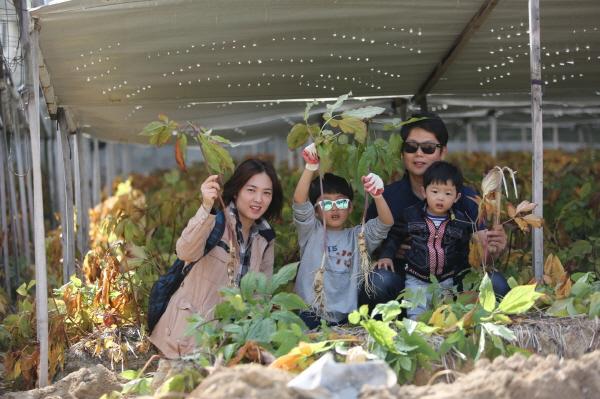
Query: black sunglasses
[(411, 147)]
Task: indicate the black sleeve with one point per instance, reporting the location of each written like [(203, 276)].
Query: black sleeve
[(395, 237)]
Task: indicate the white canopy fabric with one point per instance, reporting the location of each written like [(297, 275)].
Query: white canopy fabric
[(115, 65)]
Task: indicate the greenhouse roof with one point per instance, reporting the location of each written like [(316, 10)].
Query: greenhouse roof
[(234, 65)]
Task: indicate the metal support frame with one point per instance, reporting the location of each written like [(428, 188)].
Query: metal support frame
[(41, 289), (78, 202), (470, 137), (555, 139), (493, 121), (83, 145), (4, 221), (96, 190), (22, 183), (109, 152), (459, 44), (537, 134), (67, 212)]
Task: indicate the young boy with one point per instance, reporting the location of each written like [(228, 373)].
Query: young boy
[(342, 264), (439, 235)]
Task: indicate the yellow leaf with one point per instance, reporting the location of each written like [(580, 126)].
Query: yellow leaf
[(437, 317), (525, 206), (352, 126), (533, 220), (522, 224), (475, 253), (510, 209), (563, 289), (554, 269)]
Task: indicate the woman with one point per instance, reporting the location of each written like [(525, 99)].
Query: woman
[(252, 195)]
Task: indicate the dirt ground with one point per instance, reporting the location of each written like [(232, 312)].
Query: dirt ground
[(535, 377)]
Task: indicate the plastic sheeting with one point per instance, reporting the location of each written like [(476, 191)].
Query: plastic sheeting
[(117, 64)]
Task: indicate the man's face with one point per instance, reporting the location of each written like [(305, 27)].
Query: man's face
[(440, 197), (416, 163), (335, 218)]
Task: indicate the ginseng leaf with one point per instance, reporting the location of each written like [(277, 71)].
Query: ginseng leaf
[(331, 108), (363, 113), (486, 294), (519, 300), (297, 136)]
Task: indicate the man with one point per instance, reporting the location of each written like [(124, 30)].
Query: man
[(425, 142)]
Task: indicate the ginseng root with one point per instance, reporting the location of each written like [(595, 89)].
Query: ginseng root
[(366, 266), (319, 288)]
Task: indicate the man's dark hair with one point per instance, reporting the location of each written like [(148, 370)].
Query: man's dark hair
[(332, 184), (243, 173), (431, 122), (442, 172)]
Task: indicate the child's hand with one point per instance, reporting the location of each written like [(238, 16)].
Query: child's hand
[(373, 185), (210, 191), (385, 263), (311, 157)]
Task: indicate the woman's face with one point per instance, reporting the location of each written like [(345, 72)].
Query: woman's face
[(253, 200), (417, 163)]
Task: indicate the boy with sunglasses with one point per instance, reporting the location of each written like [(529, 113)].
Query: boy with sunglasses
[(342, 267), (425, 142)]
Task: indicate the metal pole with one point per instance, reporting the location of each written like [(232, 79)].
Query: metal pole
[(537, 134), (77, 190), (84, 149), (470, 141), (96, 173), (493, 134), (41, 289), (21, 176), (555, 141), (110, 167), (3, 212), (524, 138), (14, 224), (68, 236)]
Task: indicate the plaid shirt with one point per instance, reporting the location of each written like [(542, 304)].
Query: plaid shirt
[(245, 247)]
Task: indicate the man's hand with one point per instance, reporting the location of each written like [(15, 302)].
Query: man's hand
[(311, 157), (496, 240), (385, 263), (373, 185)]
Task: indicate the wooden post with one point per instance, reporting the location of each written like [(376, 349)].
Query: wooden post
[(68, 233), (3, 220), (537, 134), (41, 287), (96, 174), (493, 133)]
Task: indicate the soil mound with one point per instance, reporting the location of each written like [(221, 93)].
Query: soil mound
[(86, 383), (515, 377)]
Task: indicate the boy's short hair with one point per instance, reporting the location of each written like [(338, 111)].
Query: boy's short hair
[(430, 122), (332, 184), (442, 172)]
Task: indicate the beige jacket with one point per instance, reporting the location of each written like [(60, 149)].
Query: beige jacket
[(199, 291)]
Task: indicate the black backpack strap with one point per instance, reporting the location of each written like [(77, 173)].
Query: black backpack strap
[(213, 240)]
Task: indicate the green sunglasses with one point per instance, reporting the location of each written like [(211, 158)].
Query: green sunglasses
[(327, 205)]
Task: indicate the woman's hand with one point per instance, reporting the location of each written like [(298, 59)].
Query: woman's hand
[(385, 263), (210, 191)]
